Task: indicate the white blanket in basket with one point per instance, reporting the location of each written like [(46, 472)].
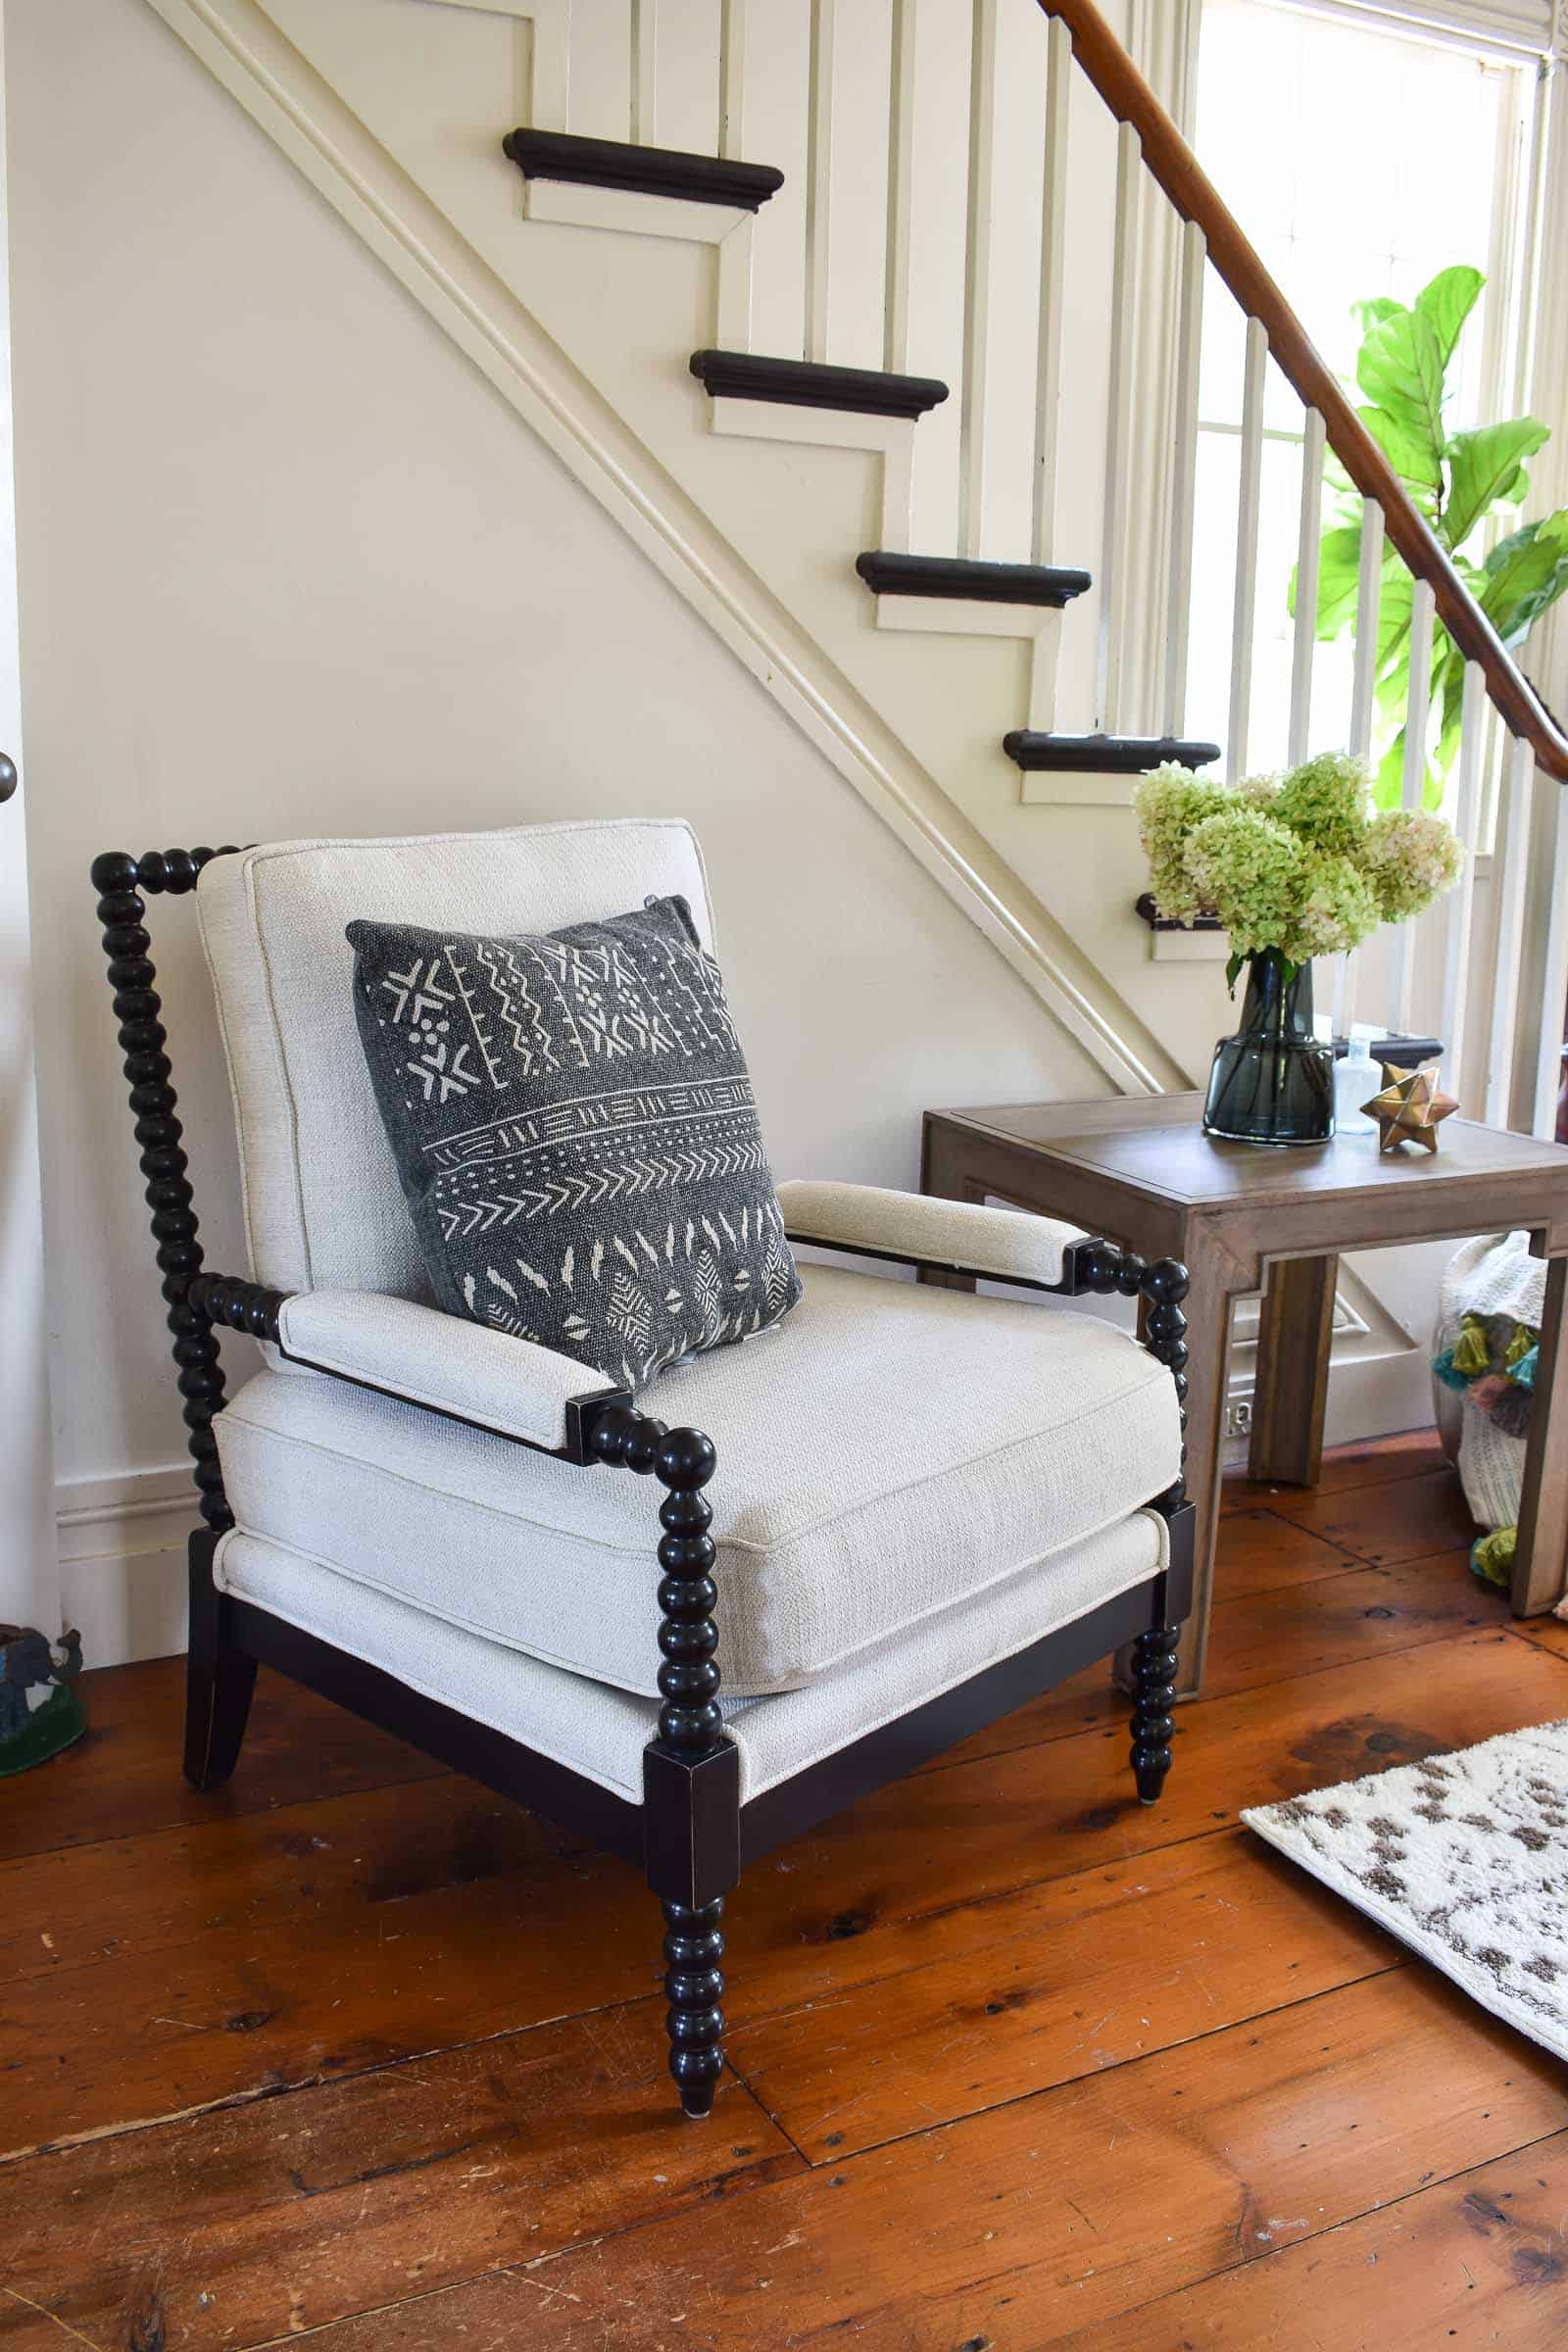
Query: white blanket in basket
[(1493, 1276)]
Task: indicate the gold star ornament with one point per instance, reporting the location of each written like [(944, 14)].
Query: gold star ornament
[(1409, 1108)]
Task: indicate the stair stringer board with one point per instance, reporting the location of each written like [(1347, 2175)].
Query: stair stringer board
[(318, 131)]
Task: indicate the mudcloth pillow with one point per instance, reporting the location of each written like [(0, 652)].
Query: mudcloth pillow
[(576, 1135)]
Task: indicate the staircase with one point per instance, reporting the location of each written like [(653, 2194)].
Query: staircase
[(892, 571), (982, 191)]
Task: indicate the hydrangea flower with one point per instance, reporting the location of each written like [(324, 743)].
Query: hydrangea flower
[(1167, 803), (1339, 910), (1250, 869), (1294, 863), (1411, 858), (1325, 801)]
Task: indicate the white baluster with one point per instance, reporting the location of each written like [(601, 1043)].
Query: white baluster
[(1115, 550), (1189, 351), (1052, 276), (1244, 629), (1458, 908), (644, 35), (732, 79), (549, 28), (818, 179), (1368, 596), (900, 190), (1555, 971), (1308, 546), (977, 278), (1417, 706), (1510, 867)]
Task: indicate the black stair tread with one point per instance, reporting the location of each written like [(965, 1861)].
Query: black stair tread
[(1105, 755), (646, 171), (1147, 907), (965, 577), (813, 384)]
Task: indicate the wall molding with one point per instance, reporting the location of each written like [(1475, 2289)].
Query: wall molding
[(129, 1512), (282, 93), (121, 1550)]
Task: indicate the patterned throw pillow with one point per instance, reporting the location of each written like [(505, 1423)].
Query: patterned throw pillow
[(576, 1135)]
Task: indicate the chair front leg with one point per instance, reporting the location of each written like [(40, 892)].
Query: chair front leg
[(1154, 1698), (691, 1770), (1163, 1286), (218, 1677), (1099, 1266)]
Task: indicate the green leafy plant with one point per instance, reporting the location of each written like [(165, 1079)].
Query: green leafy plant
[(1457, 479)]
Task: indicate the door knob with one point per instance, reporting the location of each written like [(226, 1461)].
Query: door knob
[(8, 777)]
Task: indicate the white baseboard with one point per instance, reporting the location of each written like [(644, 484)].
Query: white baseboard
[(122, 1561), (1369, 1397)]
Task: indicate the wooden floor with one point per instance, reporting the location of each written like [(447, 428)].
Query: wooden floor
[(354, 2048)]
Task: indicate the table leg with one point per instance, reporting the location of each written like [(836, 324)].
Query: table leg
[(1541, 1559), (1291, 1388)]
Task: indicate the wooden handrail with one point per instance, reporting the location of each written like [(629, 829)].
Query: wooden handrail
[(1195, 198)]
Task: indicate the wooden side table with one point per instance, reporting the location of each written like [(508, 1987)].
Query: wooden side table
[(1142, 1172)]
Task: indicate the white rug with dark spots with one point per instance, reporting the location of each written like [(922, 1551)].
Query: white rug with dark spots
[(1464, 1857)]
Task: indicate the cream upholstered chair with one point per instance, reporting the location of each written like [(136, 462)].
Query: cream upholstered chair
[(885, 1524)]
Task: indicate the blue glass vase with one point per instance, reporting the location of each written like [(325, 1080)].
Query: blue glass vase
[(1272, 1082)]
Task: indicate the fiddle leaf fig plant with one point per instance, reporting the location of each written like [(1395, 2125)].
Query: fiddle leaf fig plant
[(1457, 479)]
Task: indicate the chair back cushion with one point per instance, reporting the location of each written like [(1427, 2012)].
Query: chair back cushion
[(324, 1207)]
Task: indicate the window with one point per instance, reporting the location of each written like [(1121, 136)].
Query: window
[(1360, 159)]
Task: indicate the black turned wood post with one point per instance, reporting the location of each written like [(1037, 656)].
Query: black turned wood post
[(119, 880), (1101, 1266), (691, 1770), (219, 1678), (1163, 1287)]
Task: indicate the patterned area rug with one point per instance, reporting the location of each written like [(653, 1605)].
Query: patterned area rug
[(1464, 1857)]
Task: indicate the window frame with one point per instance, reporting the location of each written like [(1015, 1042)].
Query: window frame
[(1528, 183)]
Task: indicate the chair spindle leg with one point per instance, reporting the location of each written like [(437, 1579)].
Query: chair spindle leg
[(1154, 1698), (219, 1679), (690, 1727), (694, 1985)]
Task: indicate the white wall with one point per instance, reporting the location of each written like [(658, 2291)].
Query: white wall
[(288, 566)]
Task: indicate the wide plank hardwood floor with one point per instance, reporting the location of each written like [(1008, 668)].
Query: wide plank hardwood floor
[(355, 2052)]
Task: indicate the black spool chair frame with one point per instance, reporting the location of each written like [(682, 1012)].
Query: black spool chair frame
[(690, 1833)]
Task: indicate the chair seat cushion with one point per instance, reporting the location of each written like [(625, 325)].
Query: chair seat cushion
[(601, 1733), (889, 1451)]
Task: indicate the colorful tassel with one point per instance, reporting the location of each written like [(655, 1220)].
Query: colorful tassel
[(1491, 1556), (1472, 1356)]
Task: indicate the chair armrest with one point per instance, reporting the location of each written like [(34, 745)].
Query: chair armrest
[(508, 1386), (1009, 1245)]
